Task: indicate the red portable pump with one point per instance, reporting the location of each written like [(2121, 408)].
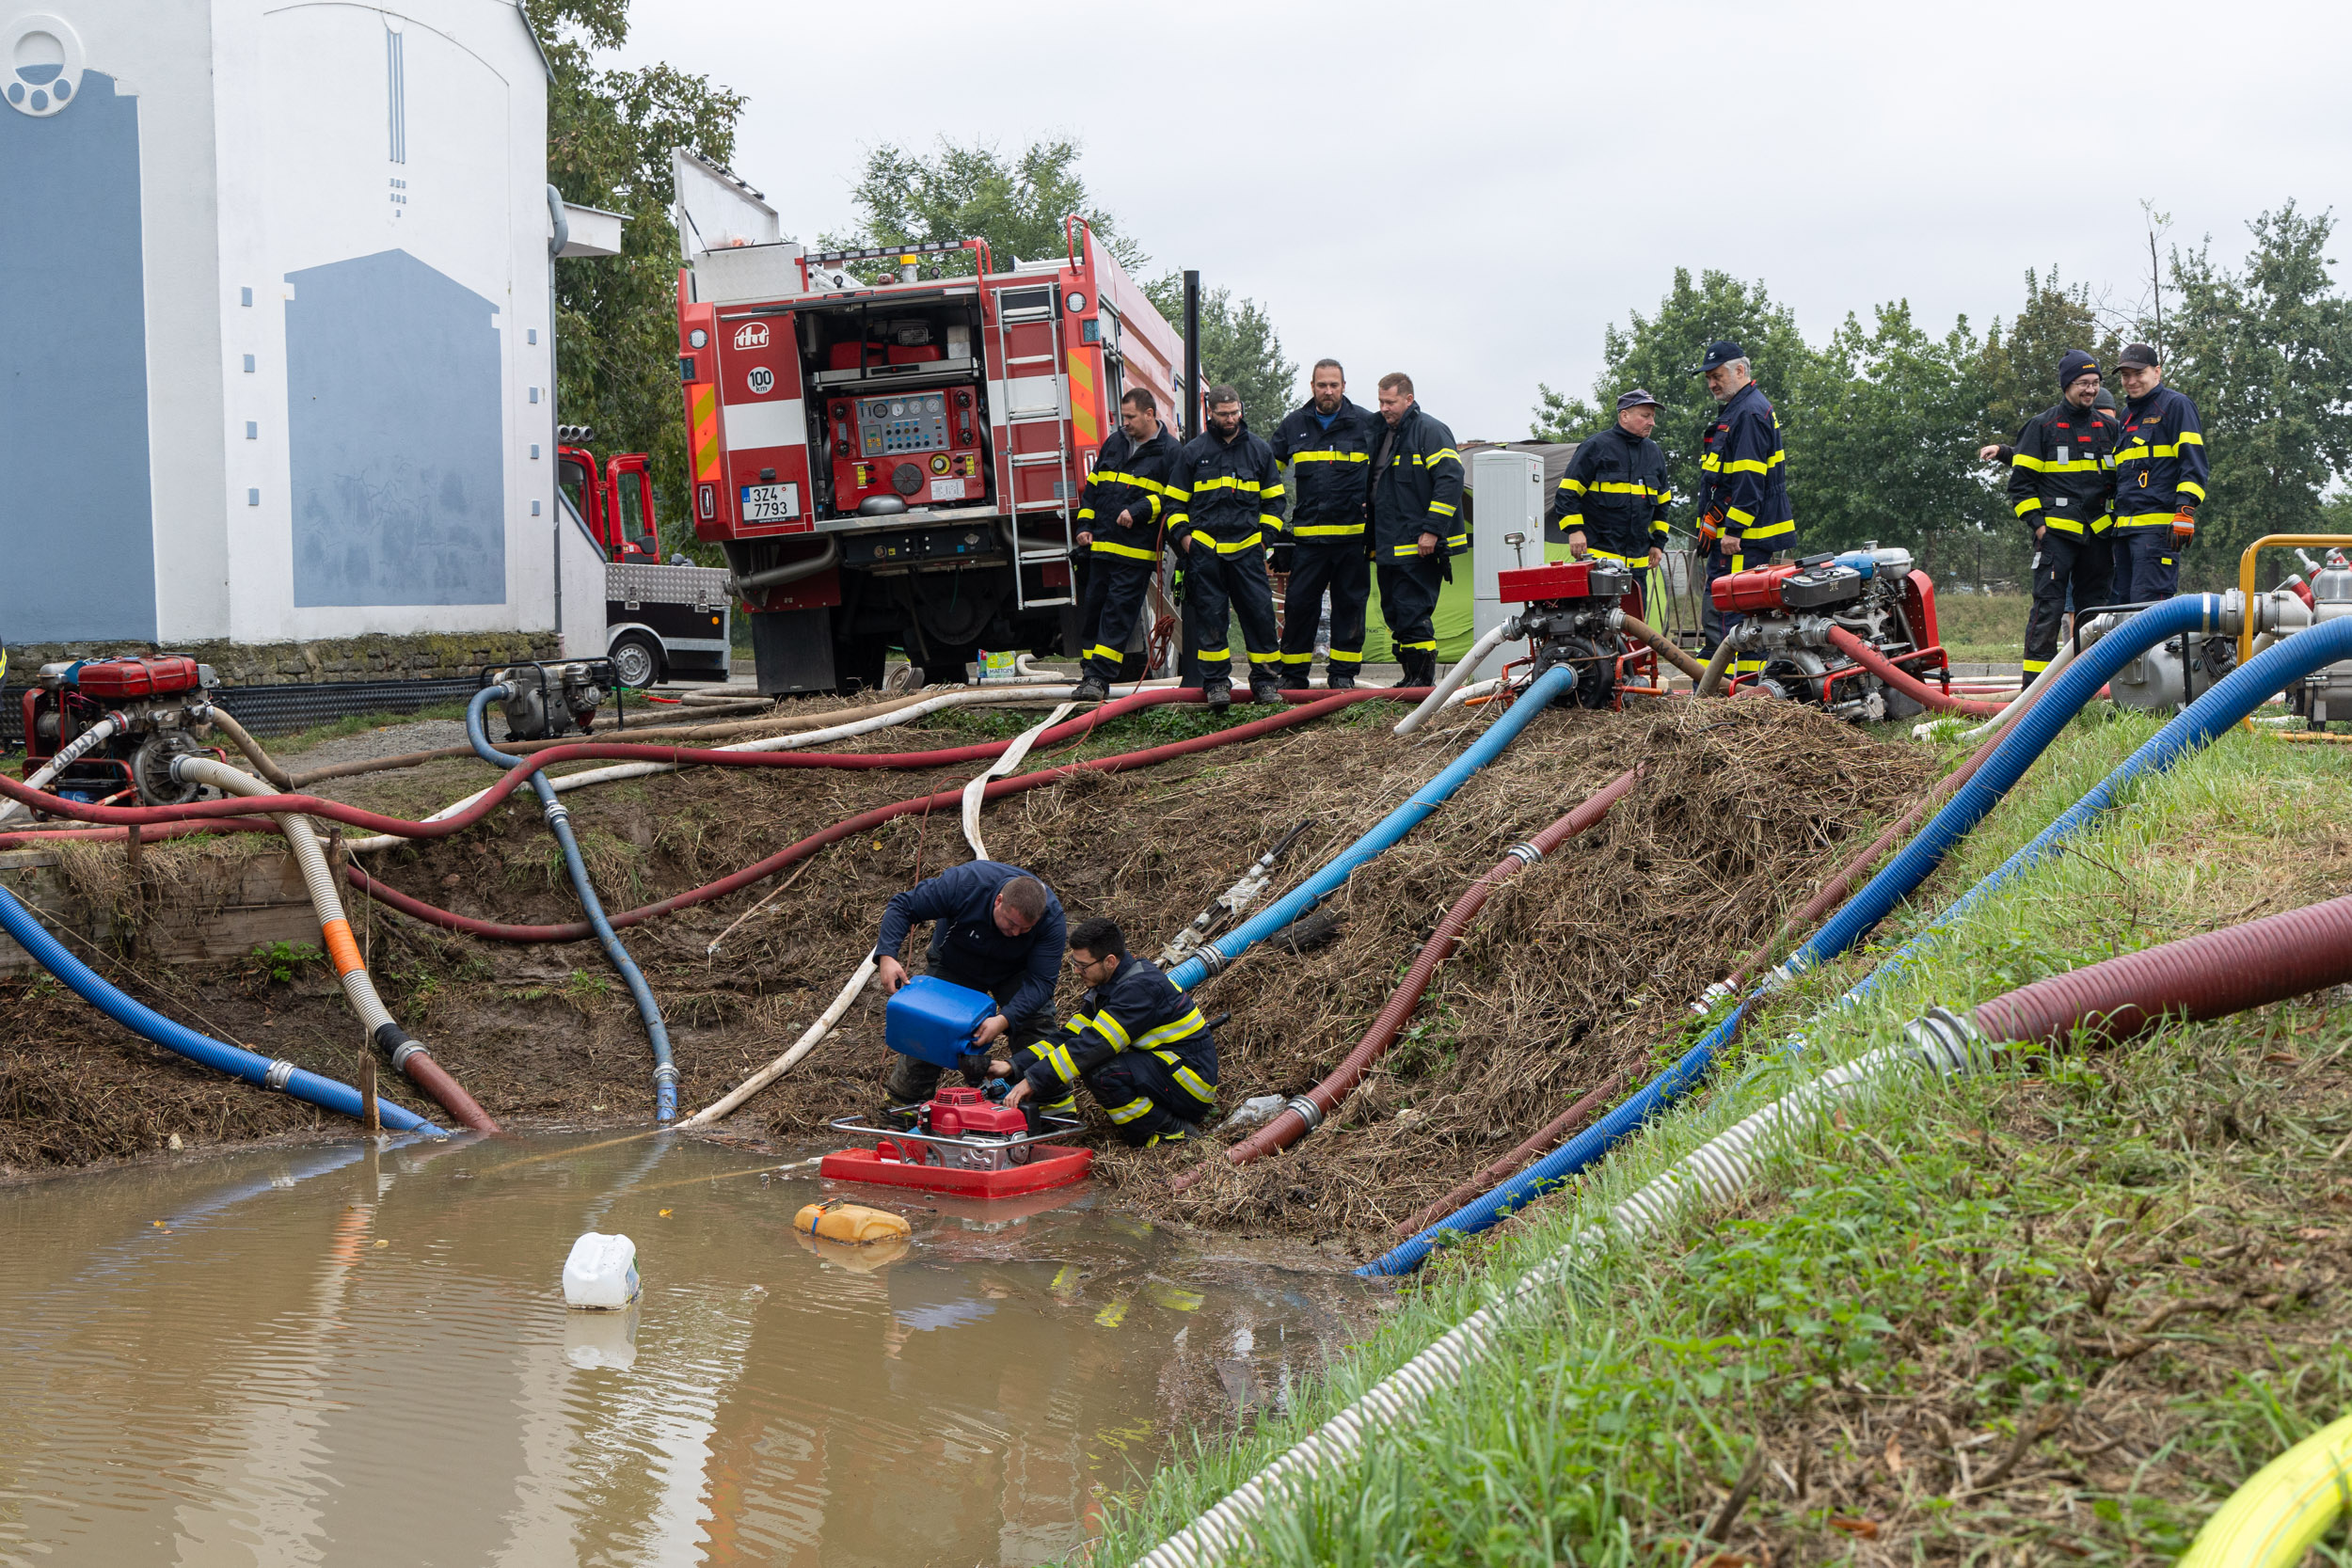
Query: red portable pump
[(1788, 612), (965, 1144), (1574, 615), (158, 704)]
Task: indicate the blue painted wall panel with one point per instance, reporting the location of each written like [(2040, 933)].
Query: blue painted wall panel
[(76, 506), (393, 425)]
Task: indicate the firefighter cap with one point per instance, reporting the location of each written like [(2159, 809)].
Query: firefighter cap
[(1722, 351), (2139, 356), (1635, 399)]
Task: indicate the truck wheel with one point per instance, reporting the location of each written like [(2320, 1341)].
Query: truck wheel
[(636, 659)]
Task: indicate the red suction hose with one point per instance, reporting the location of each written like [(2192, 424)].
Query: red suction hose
[(1905, 681), (1306, 1112)]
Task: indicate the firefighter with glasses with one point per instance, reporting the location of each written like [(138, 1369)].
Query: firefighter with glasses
[(1417, 527), (1327, 444), (1136, 1042), (2062, 483), (2159, 479), (1744, 515), (1120, 515), (1227, 496), (1611, 504)]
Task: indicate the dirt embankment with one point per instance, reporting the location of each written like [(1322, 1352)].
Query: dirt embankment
[(1581, 964)]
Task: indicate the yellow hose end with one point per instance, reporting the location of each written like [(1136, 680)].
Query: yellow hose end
[(851, 1224), (2272, 1520)]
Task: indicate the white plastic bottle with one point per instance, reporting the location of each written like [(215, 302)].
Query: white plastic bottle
[(600, 1275)]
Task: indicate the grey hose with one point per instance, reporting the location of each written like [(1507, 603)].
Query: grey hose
[(1455, 676), (1665, 649), (268, 765), (68, 754), (1712, 676), (791, 571)]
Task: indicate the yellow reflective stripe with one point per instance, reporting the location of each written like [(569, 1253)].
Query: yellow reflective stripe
[(1223, 548), (1430, 646), (1750, 466), (1442, 509), (1568, 483), (1572, 521), (1057, 1057), (1271, 520), (1326, 530), (1272, 492), (2035, 666), (1264, 658), (1103, 650), (2139, 450), (2191, 438), (1455, 541), (1298, 658), (1406, 550), (1178, 519), (1229, 483), (1177, 493), (1102, 548), (1194, 1084), (1218, 655), (2189, 486), (1710, 463), (1442, 454), (2032, 504), (1608, 488), (1191, 1024), (1340, 656), (1330, 457), (1108, 1027), (1770, 530), (2039, 465), (1139, 1105), (1086, 514), (1733, 515)]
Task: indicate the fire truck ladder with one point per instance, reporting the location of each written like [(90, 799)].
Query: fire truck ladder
[(1035, 547)]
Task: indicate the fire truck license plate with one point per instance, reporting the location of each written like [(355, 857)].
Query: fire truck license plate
[(770, 503)]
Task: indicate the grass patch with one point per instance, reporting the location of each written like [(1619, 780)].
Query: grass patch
[(2053, 1313), (357, 723)]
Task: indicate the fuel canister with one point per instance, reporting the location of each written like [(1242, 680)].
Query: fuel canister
[(112, 680), (932, 1021), (1748, 592)]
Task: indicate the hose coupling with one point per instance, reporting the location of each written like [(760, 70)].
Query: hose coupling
[(280, 1073), (395, 1042), (1946, 1041), (1720, 992), (555, 811), (665, 1072), (1526, 854), (1308, 1112), (1212, 960)]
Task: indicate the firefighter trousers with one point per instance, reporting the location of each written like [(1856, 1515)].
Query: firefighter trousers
[(1408, 595), (2064, 564), (1116, 586), (912, 1080), (1341, 569), (1216, 583), (1718, 624), (2147, 564), (1150, 1095)]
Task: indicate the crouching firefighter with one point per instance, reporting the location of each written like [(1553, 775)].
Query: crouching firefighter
[(1138, 1043), (995, 928)]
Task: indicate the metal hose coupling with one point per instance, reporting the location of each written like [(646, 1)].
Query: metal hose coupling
[(1948, 1043), (1308, 1112), (555, 812), (665, 1072), (1720, 992), (1526, 854), (280, 1073), (1211, 959), (395, 1042)]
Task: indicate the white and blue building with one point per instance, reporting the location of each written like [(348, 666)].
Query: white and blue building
[(275, 336)]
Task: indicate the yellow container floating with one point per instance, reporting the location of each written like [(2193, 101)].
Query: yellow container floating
[(850, 1224)]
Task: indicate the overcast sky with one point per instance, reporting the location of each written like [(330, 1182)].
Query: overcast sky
[(1469, 192)]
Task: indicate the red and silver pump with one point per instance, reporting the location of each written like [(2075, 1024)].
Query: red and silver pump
[(1575, 615), (107, 729), (1789, 613)]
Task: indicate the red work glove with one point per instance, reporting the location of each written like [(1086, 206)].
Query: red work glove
[(2185, 524), (1711, 528)]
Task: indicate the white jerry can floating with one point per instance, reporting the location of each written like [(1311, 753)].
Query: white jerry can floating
[(600, 1275)]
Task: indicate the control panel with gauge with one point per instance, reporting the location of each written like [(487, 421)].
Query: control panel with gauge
[(911, 447)]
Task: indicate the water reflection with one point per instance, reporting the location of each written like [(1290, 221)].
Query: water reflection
[(303, 1356)]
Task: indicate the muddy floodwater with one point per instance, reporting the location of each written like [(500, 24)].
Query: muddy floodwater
[(356, 1356)]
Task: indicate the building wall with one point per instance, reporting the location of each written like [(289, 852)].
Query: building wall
[(278, 372)]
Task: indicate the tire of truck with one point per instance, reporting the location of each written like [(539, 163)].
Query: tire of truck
[(636, 659)]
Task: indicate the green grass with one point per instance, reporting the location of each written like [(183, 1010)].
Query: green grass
[(1940, 1274), (1987, 629), (357, 723)]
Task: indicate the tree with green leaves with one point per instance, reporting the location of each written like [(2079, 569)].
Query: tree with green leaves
[(609, 134), (2266, 353), (1239, 345), (2019, 363), (1018, 205)]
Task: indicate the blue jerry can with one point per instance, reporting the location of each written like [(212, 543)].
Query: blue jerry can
[(932, 1019)]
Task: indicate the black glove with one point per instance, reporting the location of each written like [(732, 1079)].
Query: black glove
[(1279, 558)]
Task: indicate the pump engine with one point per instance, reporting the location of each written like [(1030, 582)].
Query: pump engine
[(552, 698), (2325, 694), (1787, 612), (1574, 614), (109, 727)]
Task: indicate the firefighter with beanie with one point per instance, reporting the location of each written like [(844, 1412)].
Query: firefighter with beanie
[(1228, 496), (995, 928), (1611, 501), (1120, 515), (2159, 479), (1417, 527), (1136, 1042), (1744, 515), (2061, 483), (1327, 444)]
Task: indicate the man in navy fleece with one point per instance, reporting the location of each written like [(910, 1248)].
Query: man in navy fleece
[(995, 929)]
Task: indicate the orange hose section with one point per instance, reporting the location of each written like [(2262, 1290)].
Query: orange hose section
[(340, 947)]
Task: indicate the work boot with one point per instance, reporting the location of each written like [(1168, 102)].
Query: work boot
[(1295, 677), (1339, 679), (1092, 688), (1264, 689), (1216, 693), (1176, 1133)]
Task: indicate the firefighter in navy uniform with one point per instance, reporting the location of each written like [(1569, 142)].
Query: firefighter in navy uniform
[(1611, 501), (1138, 1044), (2159, 480), (1744, 516), (1227, 496), (2061, 482), (1416, 523), (995, 928), (1120, 515), (1327, 444)]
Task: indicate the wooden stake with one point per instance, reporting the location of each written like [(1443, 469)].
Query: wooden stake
[(371, 1116), (133, 855)]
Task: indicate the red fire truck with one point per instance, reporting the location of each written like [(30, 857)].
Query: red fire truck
[(661, 622), (890, 444)]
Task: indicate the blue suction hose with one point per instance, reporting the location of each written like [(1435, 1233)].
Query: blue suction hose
[(1384, 837), (560, 823), (234, 1060), (2231, 699)]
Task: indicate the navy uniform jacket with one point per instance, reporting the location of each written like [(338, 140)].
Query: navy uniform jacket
[(961, 903), (1227, 494), (1131, 479), (1746, 478), (1616, 494), (2062, 473), (1328, 470), (1416, 488), (2160, 463), (1138, 1008)]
